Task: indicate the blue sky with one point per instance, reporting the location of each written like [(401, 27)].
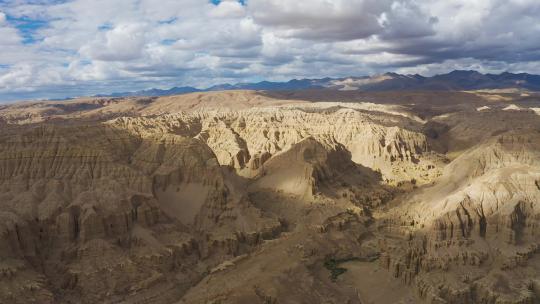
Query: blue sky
[(53, 49), (217, 2), (27, 27)]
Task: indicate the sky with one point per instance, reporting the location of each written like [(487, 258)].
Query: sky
[(59, 48)]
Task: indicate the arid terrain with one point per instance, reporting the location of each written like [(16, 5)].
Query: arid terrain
[(309, 196)]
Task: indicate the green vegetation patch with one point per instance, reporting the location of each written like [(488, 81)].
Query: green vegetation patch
[(333, 266)]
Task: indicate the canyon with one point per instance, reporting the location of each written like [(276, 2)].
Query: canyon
[(308, 196)]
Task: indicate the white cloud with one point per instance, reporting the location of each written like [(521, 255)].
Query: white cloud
[(8, 35), (16, 77), (133, 44), (228, 9), (122, 43)]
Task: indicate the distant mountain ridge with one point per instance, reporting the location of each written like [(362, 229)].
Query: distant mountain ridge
[(458, 80), (153, 92)]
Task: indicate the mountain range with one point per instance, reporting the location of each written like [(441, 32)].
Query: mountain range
[(458, 80)]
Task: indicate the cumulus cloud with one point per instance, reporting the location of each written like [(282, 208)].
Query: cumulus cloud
[(320, 19), (122, 43), (228, 9), (77, 47)]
